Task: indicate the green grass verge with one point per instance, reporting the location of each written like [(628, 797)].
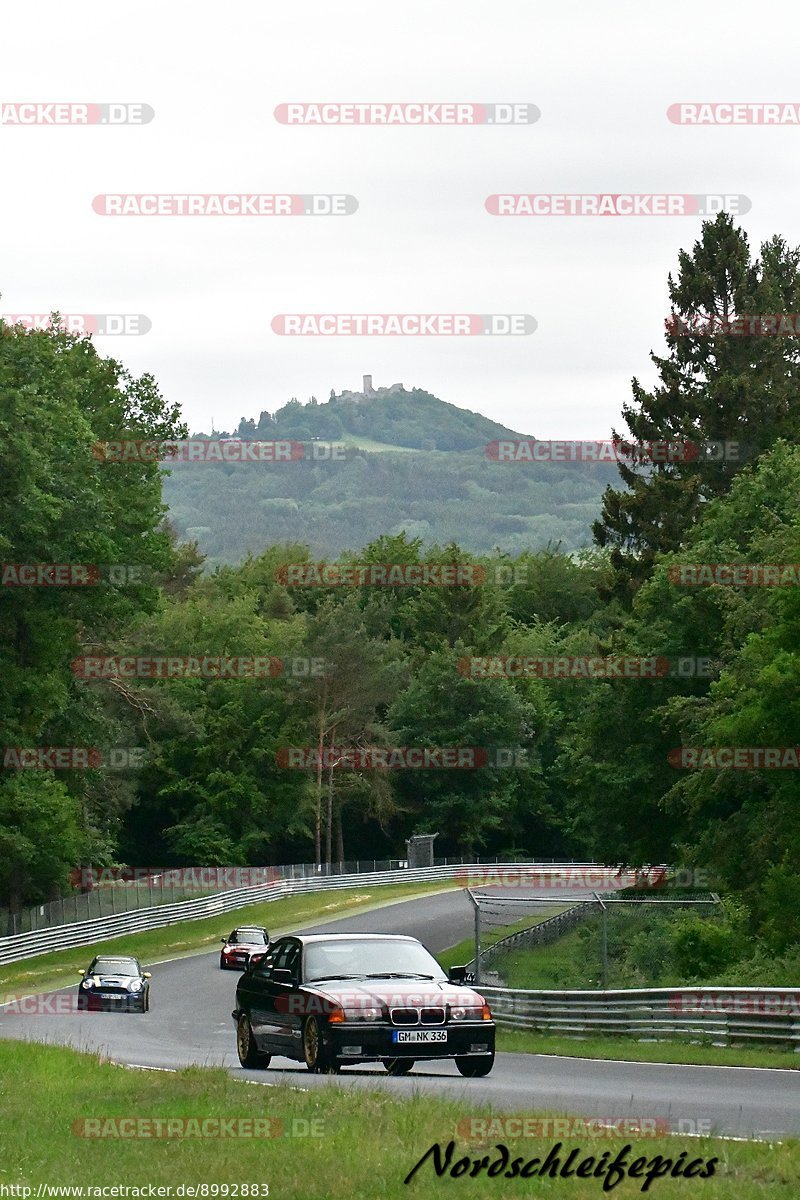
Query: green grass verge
[(519, 1041), (365, 1142), (464, 952), (52, 970), (560, 964)]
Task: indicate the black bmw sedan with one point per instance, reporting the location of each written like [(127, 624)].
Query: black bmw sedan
[(332, 1000)]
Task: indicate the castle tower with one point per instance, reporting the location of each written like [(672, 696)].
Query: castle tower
[(367, 389)]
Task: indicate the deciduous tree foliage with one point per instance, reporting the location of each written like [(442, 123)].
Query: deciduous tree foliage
[(59, 503)]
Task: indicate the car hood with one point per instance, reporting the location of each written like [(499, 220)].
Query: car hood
[(397, 992), (112, 980)]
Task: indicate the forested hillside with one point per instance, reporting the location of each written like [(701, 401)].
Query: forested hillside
[(231, 510), (440, 485)]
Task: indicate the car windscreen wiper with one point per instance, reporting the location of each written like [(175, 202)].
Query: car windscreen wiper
[(398, 975), (321, 978)]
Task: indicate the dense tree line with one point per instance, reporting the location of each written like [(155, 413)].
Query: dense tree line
[(596, 767)]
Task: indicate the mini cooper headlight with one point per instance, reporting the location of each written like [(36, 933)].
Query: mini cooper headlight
[(135, 985), (87, 983)]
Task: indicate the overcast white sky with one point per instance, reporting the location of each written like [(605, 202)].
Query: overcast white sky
[(603, 77)]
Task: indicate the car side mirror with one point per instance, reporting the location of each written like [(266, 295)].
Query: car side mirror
[(81, 972), (458, 975), (283, 976), (223, 940), (147, 975)]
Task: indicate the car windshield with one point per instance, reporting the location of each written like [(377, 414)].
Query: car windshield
[(251, 936), (375, 959), (114, 966)]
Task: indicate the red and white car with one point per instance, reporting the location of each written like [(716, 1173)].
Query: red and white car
[(241, 945)]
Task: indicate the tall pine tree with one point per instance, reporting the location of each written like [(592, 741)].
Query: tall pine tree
[(716, 384)]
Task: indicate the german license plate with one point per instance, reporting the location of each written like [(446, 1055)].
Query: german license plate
[(419, 1035)]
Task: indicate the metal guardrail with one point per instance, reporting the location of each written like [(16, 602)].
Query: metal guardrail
[(720, 1015), (122, 890), (84, 933)]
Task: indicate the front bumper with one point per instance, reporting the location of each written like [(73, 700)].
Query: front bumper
[(357, 1041), (111, 1001), (238, 961)]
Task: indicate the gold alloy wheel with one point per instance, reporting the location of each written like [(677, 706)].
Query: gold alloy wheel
[(311, 1042)]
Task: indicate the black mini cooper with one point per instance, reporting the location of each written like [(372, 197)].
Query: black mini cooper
[(114, 981), (332, 1000)]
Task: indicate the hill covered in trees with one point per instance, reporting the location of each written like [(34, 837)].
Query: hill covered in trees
[(391, 416), (409, 463)]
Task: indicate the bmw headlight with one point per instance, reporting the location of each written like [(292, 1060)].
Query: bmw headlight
[(464, 1013), (363, 1014), (135, 985)]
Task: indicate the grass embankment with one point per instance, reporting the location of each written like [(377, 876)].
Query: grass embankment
[(518, 1041), (560, 964), (48, 971), (365, 1143), (464, 952)]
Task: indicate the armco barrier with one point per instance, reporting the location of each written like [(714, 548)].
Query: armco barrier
[(111, 892), (84, 933), (720, 1015)]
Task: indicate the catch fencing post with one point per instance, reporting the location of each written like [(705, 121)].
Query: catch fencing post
[(605, 939), (476, 906)]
